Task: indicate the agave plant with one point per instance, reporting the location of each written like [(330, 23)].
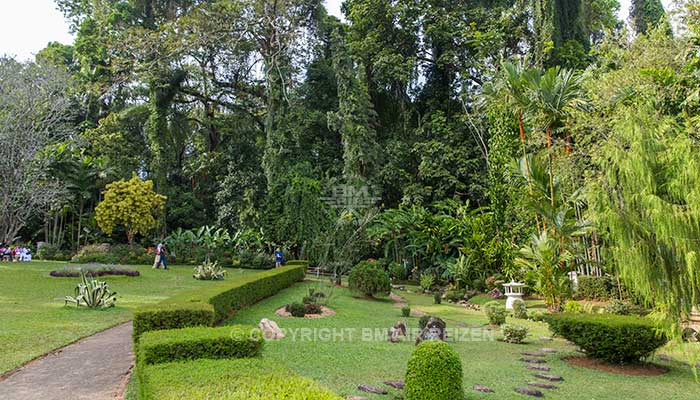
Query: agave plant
[(209, 271), (92, 293)]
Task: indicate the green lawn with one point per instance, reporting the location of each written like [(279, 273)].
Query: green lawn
[(342, 365), (34, 320)]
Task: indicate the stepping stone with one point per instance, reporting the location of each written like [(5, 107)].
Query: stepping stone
[(553, 378), (356, 398), (537, 367), (545, 338), (533, 360), (664, 357), (371, 389), (549, 350), (395, 384), (532, 353), (483, 389), (542, 385), (529, 392)]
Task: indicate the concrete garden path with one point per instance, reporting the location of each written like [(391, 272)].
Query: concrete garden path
[(95, 368)]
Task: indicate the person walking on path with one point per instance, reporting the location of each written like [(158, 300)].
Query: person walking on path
[(161, 256), (279, 258)]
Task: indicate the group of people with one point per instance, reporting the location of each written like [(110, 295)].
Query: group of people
[(15, 253)]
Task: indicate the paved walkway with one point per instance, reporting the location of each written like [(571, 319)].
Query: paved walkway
[(94, 368)]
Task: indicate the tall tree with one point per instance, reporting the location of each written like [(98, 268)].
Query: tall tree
[(646, 14)]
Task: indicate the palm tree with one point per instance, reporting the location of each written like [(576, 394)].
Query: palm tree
[(554, 95)]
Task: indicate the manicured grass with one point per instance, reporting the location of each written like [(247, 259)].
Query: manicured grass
[(342, 365), (34, 320)]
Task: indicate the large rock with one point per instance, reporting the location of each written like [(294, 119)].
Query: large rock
[(399, 329), (496, 294), (434, 330), (270, 329)]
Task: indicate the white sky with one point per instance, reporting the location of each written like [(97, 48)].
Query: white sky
[(27, 26)]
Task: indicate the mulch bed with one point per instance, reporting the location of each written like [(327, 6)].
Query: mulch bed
[(624, 369)]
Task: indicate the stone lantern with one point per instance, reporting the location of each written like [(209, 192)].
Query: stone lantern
[(514, 292)]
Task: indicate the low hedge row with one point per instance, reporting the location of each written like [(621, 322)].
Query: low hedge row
[(209, 305), (237, 341), (241, 379), (611, 338)]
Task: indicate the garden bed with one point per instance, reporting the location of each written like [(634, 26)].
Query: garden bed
[(325, 312)]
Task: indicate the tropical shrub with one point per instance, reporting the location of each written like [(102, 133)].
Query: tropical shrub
[(434, 372), (243, 378), (406, 311), (296, 309), (93, 294), (398, 272), (454, 296), (113, 254), (48, 251), (163, 346), (612, 338), (495, 312), (572, 307), (437, 298), (618, 307), (594, 288), (369, 279), (209, 271), (253, 260), (514, 333), (426, 281), (93, 271), (519, 309)]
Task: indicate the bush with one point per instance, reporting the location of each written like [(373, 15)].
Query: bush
[(50, 252), (296, 309), (611, 338), (312, 308), (215, 303), (537, 315), (434, 372), (519, 309), (252, 260), (437, 298), (209, 271), (596, 288), (454, 296), (406, 311), (514, 333), (370, 279), (572, 307), (618, 307), (163, 346), (427, 281), (250, 379), (398, 272), (113, 254), (495, 312), (423, 321)]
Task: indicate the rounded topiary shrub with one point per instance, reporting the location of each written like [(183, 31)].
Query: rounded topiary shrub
[(434, 373), (611, 338), (370, 279), (514, 333), (495, 312)]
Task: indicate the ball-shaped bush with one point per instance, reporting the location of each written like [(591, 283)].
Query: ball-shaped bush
[(495, 312), (369, 279), (434, 373)]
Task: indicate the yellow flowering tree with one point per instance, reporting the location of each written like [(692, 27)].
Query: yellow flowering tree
[(133, 204)]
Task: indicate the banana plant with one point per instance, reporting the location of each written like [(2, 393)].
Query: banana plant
[(92, 293)]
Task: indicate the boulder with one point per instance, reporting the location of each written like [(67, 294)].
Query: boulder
[(371, 389), (434, 330), (270, 329), (496, 294)]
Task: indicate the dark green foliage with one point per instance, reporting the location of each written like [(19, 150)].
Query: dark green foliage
[(51, 252), (296, 309), (455, 296), (217, 302), (250, 379), (113, 254), (423, 321), (596, 288), (236, 341), (171, 316), (496, 312), (646, 14), (249, 259), (434, 372), (437, 297), (406, 311), (611, 338), (369, 279)]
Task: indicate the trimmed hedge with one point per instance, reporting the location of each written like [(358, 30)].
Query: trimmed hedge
[(597, 288), (242, 379), (611, 338), (215, 303), (237, 341), (434, 373)]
